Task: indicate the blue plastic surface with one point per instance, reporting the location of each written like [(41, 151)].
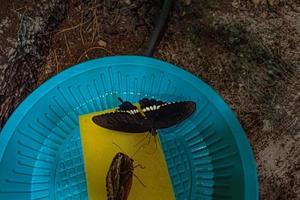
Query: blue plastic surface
[(208, 155)]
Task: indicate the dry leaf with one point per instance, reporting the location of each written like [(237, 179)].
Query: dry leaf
[(102, 43)]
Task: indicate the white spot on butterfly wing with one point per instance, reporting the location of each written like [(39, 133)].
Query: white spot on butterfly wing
[(147, 109), (132, 112)]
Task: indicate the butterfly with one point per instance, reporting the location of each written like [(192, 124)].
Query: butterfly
[(152, 115), (119, 177)]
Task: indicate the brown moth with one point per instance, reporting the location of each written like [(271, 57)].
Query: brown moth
[(119, 177)]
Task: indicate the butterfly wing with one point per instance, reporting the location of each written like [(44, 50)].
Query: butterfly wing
[(126, 118), (122, 121), (163, 115)]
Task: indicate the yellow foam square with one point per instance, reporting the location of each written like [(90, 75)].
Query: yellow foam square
[(99, 150)]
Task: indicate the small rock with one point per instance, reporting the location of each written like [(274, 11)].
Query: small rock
[(267, 126), (187, 2), (10, 51), (264, 15), (256, 2), (271, 2), (102, 43), (235, 4)]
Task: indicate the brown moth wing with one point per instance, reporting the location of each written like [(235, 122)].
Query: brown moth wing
[(119, 177), (125, 189), (112, 177), (126, 177)]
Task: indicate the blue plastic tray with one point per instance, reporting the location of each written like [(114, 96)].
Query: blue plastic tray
[(208, 155)]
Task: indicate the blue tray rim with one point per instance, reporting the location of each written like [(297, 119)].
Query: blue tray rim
[(246, 154)]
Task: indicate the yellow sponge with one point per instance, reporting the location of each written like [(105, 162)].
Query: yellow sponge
[(99, 150)]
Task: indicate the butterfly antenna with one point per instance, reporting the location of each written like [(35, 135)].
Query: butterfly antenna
[(155, 141), (140, 166), (140, 147), (145, 144), (139, 180), (156, 138), (121, 100), (119, 147), (149, 140), (139, 142), (151, 153)]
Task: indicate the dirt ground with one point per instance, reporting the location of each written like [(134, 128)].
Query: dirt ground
[(249, 51)]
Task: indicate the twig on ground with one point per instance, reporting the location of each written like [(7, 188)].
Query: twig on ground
[(67, 45), (56, 60), (22, 16), (2, 51), (21, 8), (71, 28), (92, 8), (94, 26), (97, 24), (90, 49), (81, 35)]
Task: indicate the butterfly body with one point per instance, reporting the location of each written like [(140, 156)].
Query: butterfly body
[(151, 116), (119, 177)]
